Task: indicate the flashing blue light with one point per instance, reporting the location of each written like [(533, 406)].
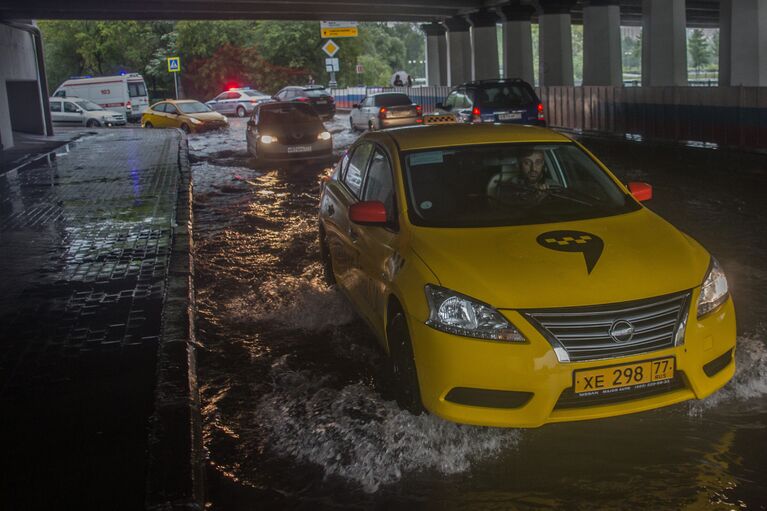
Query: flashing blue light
[(122, 73)]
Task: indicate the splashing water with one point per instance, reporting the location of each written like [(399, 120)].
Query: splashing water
[(750, 380), (355, 434), (302, 302)]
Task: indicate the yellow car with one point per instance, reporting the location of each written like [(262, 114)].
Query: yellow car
[(514, 281), (189, 115)]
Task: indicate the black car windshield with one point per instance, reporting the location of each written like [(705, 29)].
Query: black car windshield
[(316, 93), (287, 113), (509, 184), (88, 105), (506, 95), (193, 108), (392, 100)]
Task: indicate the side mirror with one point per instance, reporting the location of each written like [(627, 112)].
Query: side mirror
[(251, 123), (441, 106), (275, 98), (640, 191), (368, 213), (356, 105)]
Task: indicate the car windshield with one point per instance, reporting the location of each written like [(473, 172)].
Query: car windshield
[(88, 105), (316, 93), (505, 96), (392, 100), (284, 114), (254, 93), (194, 107), (509, 184)]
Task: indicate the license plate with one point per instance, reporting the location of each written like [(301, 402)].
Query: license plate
[(510, 116), (321, 102), (608, 379), (299, 148)]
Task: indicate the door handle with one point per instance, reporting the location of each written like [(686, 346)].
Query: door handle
[(353, 235)]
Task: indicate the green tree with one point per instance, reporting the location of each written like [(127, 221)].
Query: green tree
[(698, 50)]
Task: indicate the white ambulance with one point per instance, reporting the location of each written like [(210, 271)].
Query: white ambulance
[(125, 93)]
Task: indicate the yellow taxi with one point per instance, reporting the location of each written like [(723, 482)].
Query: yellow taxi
[(189, 115), (514, 281)]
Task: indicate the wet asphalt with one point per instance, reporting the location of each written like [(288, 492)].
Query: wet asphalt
[(296, 408)]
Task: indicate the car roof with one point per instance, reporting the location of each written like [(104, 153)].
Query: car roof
[(178, 101), (59, 98), (449, 135)]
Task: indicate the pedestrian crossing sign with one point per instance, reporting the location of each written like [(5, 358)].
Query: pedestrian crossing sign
[(174, 64)]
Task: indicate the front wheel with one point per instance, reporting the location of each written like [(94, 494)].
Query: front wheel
[(92, 123), (241, 111), (403, 365), (185, 128), (148, 125)]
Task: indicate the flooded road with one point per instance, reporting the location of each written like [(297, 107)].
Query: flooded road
[(296, 407)]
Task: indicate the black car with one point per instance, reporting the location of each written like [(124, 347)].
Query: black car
[(315, 95), (507, 100), (287, 131)]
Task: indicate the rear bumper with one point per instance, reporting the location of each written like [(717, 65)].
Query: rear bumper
[(320, 150), (446, 362), (401, 121)]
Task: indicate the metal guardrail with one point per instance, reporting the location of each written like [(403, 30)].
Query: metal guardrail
[(426, 96)]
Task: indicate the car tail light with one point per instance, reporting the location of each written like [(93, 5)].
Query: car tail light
[(475, 115), (331, 99), (128, 105), (303, 99), (540, 112), (383, 113), (418, 110)]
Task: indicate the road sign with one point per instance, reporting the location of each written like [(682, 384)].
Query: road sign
[(338, 29), (330, 48), (331, 65), (174, 64)]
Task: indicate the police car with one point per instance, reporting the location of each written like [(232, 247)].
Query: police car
[(239, 102)]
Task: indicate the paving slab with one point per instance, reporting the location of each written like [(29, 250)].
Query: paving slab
[(86, 244)]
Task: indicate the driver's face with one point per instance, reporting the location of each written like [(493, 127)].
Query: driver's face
[(532, 166)]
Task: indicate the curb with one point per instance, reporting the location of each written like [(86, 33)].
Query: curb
[(176, 470)]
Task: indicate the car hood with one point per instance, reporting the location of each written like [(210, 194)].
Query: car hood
[(207, 116), (605, 260)]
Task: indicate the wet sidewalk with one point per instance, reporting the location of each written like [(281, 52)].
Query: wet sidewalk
[(87, 237)]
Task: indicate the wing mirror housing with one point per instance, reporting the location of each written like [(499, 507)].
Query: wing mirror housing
[(368, 213), (641, 191), (356, 105), (441, 106)]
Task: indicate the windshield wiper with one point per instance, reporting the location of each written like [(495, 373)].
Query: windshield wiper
[(567, 194)]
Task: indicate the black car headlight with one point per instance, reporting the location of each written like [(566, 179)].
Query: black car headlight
[(714, 291), (458, 314)]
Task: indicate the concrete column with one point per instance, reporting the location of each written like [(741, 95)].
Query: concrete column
[(436, 54), (484, 45), (458, 51), (743, 43), (602, 64), (518, 41), (664, 43), (555, 47)]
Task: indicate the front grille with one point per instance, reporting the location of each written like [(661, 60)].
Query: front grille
[(584, 332), (569, 399)]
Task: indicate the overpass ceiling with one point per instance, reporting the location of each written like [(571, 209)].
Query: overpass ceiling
[(700, 13)]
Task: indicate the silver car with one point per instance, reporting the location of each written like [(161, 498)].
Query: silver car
[(239, 102), (72, 111), (385, 110)]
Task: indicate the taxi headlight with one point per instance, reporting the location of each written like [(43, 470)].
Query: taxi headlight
[(195, 121), (268, 139), (714, 291), (323, 136), (457, 314)]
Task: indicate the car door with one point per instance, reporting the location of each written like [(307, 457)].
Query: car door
[(171, 116), (370, 111), (157, 117), (377, 246), (217, 102), (339, 196), (55, 111), (72, 114)]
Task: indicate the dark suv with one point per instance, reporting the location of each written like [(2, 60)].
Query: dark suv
[(314, 95), (507, 101)]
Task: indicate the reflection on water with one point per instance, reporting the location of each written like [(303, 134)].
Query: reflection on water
[(297, 402)]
